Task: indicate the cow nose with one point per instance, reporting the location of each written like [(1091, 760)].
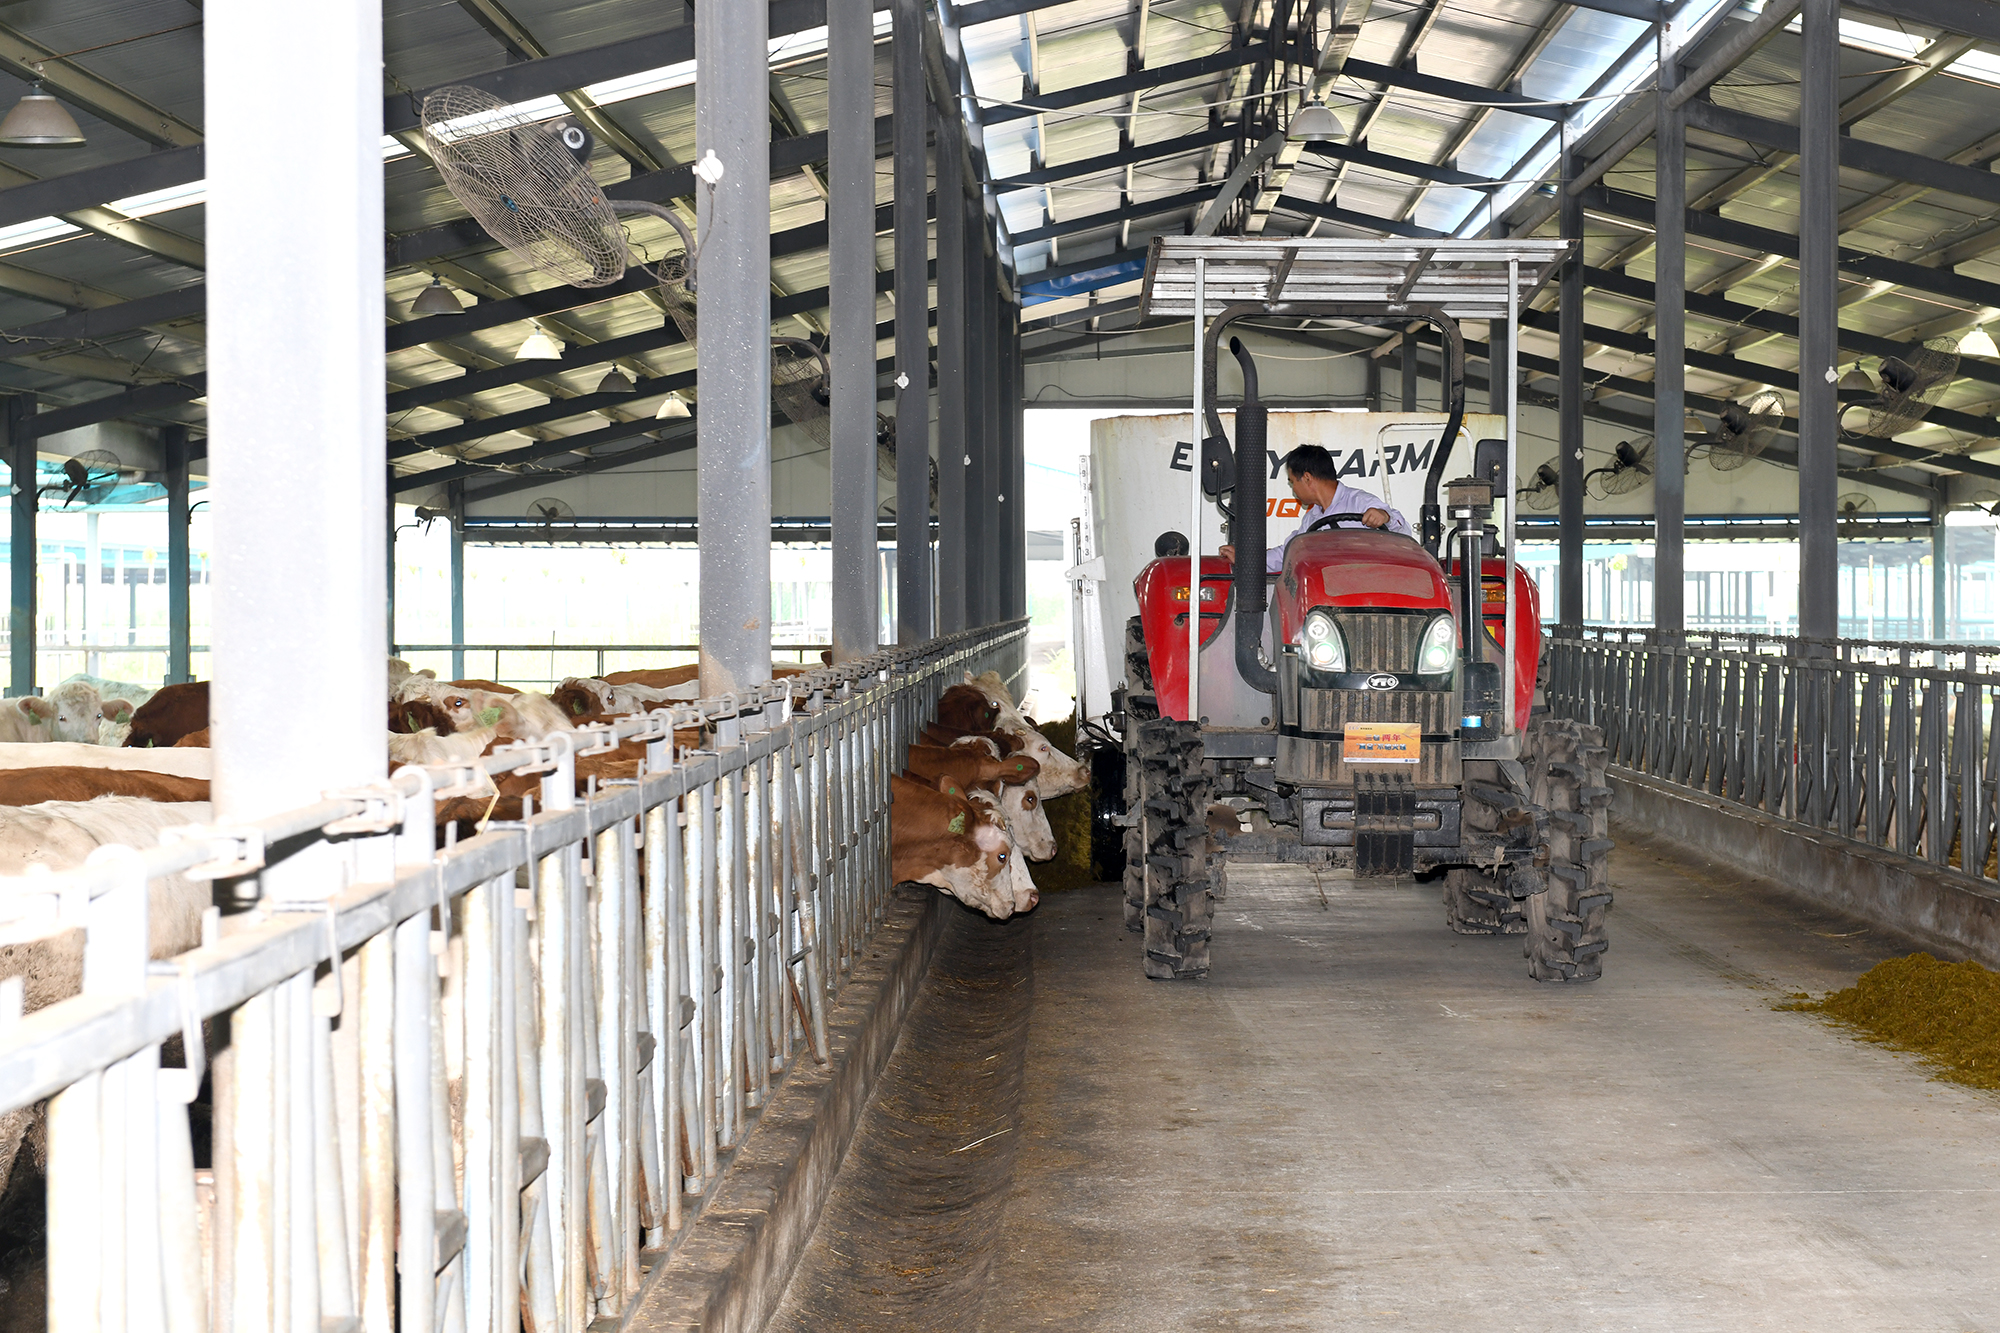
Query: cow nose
[(1033, 900)]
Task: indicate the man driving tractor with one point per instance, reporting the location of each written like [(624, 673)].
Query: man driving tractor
[(1316, 485)]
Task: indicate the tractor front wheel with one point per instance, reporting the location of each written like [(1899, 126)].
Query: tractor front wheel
[(1476, 904), (1567, 765)]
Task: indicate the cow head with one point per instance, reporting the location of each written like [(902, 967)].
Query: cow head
[(961, 846), (473, 708), (1028, 822), (963, 708), (75, 711)]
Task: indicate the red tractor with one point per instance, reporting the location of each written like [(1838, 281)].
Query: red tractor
[(1366, 709)]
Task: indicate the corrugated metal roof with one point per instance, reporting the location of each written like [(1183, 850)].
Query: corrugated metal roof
[(1540, 49)]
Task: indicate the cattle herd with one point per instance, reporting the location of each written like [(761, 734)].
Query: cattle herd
[(97, 762)]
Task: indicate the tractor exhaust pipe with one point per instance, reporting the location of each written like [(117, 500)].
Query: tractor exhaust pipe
[(1246, 528), (1431, 521)]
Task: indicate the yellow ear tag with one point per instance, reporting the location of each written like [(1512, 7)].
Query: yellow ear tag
[(957, 824), (488, 716)]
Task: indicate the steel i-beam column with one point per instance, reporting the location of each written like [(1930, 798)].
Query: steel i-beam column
[(1496, 347), (25, 548), (1569, 416), (1410, 370), (985, 564), (913, 340), (1940, 550), (174, 451), (850, 225), (1669, 342), (952, 321), (1016, 515), (993, 435), (1819, 315), (455, 501), (295, 435), (978, 479), (733, 429)]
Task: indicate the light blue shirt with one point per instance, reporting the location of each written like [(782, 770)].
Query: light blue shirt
[(1346, 500)]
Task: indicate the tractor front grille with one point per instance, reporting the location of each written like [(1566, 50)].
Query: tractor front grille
[(1382, 640), (1332, 710)]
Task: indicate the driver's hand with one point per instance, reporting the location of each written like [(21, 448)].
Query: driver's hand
[(1227, 553), (1376, 518)]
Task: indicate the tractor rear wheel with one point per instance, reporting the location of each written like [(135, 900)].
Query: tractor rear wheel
[(1140, 707), (1567, 765)]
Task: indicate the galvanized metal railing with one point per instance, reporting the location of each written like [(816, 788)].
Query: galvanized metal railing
[(442, 655), (1893, 745), (476, 1087)]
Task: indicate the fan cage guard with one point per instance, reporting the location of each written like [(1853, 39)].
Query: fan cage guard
[(513, 174)]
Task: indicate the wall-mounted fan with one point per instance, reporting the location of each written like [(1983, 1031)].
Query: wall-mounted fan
[(1852, 512), (1911, 385), (1630, 468), (801, 386), (525, 181), (1544, 490), (89, 477), (1742, 430), (549, 513)]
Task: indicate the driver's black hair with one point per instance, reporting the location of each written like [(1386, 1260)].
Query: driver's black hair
[(1312, 460)]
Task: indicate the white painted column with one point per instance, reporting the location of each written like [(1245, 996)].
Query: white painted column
[(295, 386)]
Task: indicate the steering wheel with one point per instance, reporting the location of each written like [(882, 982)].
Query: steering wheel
[(1335, 520)]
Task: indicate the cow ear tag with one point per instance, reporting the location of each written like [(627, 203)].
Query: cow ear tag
[(488, 716), (957, 824)]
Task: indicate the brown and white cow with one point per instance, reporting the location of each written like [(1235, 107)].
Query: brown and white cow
[(931, 762), (946, 841), (963, 708), (32, 786), (1061, 773)]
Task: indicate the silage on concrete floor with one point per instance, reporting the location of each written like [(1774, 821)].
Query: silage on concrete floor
[(1948, 1013)]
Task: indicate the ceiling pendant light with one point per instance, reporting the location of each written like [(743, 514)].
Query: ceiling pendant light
[(1314, 121), (616, 382), (39, 121), (539, 347), (1857, 380), (1693, 425), (672, 408), (437, 299), (1978, 343)]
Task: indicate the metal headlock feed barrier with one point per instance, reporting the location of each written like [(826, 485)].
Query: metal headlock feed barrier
[(476, 1087), (1894, 745)]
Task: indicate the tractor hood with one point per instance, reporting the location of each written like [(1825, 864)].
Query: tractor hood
[(1356, 567)]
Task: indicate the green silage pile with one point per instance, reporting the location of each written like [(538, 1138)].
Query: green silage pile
[(1948, 1013)]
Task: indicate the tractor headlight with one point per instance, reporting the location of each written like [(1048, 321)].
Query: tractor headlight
[(1322, 643), (1434, 654)]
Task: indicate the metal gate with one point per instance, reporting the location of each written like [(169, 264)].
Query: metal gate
[(1894, 745), (478, 1087)]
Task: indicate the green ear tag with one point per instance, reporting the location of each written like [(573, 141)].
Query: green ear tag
[(957, 824), (576, 707), (488, 716)]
